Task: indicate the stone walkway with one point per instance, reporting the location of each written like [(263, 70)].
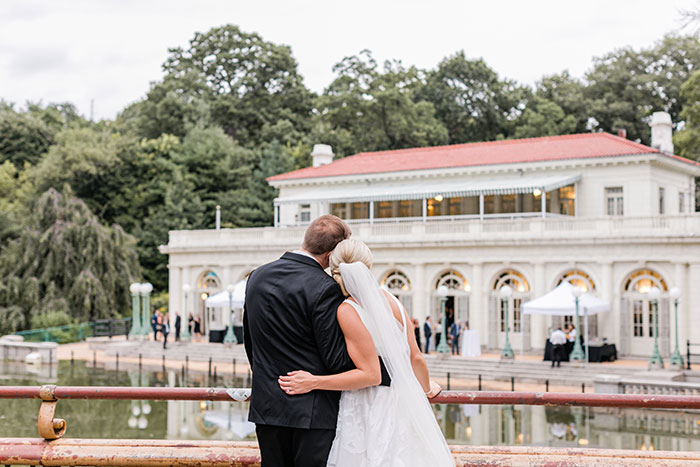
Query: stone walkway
[(529, 373)]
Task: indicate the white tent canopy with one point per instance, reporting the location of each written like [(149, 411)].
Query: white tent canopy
[(561, 302), (221, 299)]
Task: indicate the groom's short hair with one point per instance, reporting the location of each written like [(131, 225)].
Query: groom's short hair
[(324, 233)]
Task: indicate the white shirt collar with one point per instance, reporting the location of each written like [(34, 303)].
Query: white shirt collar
[(305, 253)]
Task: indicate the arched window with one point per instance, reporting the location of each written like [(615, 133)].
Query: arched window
[(454, 281), (521, 290), (583, 281), (457, 301), (400, 286), (643, 280), (638, 311), (208, 284), (579, 279), (209, 280)]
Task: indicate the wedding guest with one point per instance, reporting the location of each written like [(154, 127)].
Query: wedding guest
[(416, 330), (427, 332), (197, 328), (455, 332), (437, 329), (558, 339), (190, 325), (165, 329), (154, 323), (178, 324)]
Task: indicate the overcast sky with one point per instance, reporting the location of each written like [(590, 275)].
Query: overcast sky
[(110, 50)]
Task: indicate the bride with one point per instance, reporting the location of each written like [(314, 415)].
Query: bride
[(377, 425)]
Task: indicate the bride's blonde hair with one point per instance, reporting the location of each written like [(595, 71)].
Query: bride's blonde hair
[(348, 251)]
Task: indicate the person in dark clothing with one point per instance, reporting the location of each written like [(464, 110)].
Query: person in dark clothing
[(416, 330), (154, 324), (427, 332), (178, 324), (165, 329), (290, 323), (455, 332)]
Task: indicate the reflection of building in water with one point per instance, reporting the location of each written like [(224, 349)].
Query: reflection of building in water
[(570, 426), (209, 420)]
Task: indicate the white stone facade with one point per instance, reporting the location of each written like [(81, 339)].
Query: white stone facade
[(616, 243)]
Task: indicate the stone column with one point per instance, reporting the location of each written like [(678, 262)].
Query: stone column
[(692, 297), (174, 298), (420, 294), (478, 309), (538, 323), (681, 281), (610, 322)]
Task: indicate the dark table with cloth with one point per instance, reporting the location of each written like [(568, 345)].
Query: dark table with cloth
[(597, 353)]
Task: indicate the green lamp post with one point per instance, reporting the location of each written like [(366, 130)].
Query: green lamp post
[(442, 347), (676, 358), (185, 334), (577, 354), (135, 288), (655, 362), (230, 337), (505, 294)]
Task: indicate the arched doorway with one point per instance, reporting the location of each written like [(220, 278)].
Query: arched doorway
[(518, 324), (400, 286), (637, 314), (457, 302), (585, 282), (208, 285)]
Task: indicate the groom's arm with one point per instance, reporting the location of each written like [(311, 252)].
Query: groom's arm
[(330, 340)]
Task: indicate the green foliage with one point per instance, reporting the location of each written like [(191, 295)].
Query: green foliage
[(472, 102), (50, 319), (687, 141), (65, 261), (368, 109), (23, 137)]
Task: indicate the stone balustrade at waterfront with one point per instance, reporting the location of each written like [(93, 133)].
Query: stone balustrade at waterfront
[(448, 229)]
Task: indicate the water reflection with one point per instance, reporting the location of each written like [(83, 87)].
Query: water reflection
[(462, 424)]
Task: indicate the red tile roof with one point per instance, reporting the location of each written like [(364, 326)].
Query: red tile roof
[(549, 148)]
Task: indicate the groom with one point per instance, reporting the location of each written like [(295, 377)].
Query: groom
[(290, 324)]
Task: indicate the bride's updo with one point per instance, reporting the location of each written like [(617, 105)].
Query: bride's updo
[(348, 251)]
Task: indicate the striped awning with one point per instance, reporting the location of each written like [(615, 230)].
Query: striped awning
[(448, 188)]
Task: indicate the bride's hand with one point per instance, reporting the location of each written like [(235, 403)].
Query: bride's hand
[(297, 382), (435, 389)]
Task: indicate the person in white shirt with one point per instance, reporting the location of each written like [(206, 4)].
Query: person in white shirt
[(558, 339)]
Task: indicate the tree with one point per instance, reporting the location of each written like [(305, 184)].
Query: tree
[(471, 100), (23, 137), (543, 117), (368, 109), (687, 141), (247, 82), (65, 261), (625, 86)]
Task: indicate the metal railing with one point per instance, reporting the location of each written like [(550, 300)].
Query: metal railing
[(78, 332), (51, 450)]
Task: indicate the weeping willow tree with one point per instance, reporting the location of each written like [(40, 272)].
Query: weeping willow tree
[(65, 266)]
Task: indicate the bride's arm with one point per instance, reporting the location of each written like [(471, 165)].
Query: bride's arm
[(362, 352)]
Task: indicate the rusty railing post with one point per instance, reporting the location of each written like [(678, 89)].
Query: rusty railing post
[(49, 428)]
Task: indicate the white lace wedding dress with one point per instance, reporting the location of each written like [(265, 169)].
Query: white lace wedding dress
[(386, 426)]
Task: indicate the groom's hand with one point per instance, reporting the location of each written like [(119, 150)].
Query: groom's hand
[(297, 382)]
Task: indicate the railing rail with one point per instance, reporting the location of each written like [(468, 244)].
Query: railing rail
[(54, 451)]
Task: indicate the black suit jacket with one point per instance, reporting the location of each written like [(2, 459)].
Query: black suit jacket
[(290, 323)]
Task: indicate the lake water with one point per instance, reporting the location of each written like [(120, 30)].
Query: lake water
[(461, 424)]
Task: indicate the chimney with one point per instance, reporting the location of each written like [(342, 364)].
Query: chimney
[(622, 133), (662, 132), (321, 155)]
